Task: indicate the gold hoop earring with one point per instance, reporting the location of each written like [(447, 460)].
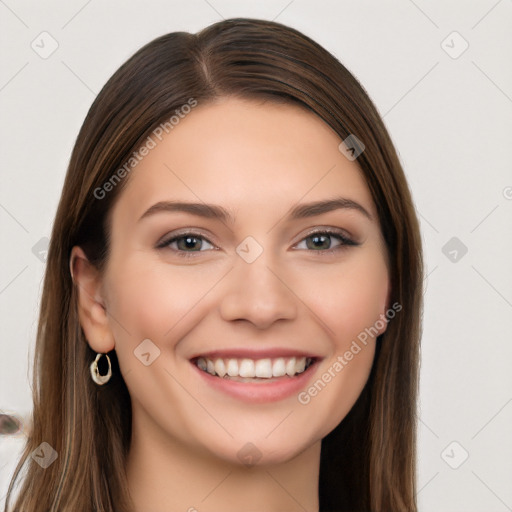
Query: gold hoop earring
[(95, 374)]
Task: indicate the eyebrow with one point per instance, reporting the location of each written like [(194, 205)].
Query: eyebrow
[(212, 211)]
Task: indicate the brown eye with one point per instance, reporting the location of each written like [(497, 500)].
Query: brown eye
[(185, 243), (321, 241)]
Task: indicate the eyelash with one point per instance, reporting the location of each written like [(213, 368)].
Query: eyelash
[(345, 241)]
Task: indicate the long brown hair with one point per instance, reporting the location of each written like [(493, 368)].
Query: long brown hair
[(368, 461)]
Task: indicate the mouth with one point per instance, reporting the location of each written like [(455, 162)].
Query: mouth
[(261, 370), (255, 376)]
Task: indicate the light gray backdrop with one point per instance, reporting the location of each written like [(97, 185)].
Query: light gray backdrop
[(439, 72)]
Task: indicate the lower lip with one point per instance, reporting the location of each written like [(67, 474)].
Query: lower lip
[(260, 392)]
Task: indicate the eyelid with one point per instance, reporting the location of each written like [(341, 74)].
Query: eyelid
[(345, 238), (342, 233), (167, 239)]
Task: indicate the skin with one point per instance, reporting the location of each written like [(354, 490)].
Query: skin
[(258, 160)]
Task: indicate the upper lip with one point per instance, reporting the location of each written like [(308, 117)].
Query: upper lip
[(247, 353)]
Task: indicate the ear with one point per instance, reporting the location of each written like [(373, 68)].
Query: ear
[(92, 310)]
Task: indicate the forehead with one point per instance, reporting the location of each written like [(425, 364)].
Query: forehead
[(247, 155)]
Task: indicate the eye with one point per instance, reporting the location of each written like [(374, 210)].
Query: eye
[(185, 244), (321, 241)]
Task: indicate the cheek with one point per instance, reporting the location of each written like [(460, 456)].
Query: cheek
[(155, 302), (353, 297), (350, 305), (343, 374)]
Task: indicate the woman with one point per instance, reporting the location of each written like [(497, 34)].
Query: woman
[(275, 365)]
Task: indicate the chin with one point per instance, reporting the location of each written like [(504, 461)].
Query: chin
[(261, 451)]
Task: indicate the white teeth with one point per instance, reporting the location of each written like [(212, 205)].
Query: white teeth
[(220, 368), (246, 368), (300, 365), (279, 368), (232, 368), (264, 368), (290, 367), (210, 367), (249, 368)]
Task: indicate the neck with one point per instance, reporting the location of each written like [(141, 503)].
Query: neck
[(165, 474)]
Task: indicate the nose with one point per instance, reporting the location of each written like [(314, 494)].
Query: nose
[(259, 293)]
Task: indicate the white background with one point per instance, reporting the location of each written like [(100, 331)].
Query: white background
[(450, 119)]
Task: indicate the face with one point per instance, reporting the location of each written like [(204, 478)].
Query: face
[(274, 286)]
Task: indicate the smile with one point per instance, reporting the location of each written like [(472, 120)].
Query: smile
[(253, 370), (256, 376)]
